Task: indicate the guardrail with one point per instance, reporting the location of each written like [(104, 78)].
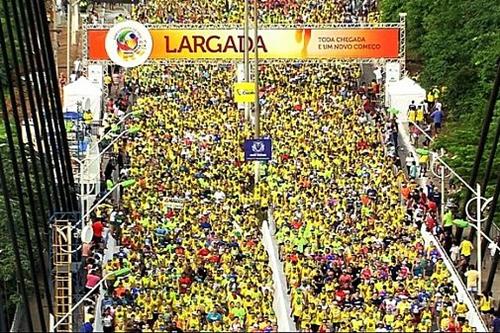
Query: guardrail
[(473, 315), (281, 298)]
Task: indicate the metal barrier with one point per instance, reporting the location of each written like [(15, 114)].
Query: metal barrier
[(473, 315), (282, 301)]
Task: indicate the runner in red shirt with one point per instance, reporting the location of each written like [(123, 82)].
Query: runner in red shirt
[(97, 228)]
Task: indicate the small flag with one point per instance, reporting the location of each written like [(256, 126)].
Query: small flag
[(461, 223), (128, 183)]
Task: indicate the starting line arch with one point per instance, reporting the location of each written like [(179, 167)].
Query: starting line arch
[(379, 43)]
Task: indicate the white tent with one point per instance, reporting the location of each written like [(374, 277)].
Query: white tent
[(400, 95), (85, 92)]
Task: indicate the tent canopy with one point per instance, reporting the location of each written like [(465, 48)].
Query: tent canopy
[(85, 92), (406, 86), (402, 93)]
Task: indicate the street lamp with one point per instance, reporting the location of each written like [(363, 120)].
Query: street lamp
[(246, 60), (119, 273), (479, 205), (69, 32), (479, 220), (85, 163), (125, 183), (134, 113)]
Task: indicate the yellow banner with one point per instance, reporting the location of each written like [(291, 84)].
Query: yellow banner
[(244, 92)]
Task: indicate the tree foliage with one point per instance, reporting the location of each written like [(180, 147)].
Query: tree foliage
[(3, 72), (456, 43)]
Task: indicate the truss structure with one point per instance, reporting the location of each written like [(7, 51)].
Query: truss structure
[(401, 25), (262, 26), (402, 43)]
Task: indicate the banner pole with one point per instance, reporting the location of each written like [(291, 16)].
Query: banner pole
[(245, 59), (479, 231), (68, 41), (257, 108)]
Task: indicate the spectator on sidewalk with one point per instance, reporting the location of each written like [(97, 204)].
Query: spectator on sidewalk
[(486, 302), (493, 247), (92, 280), (413, 170), (496, 323), (97, 228), (466, 248), (472, 276), (88, 327), (420, 115), (107, 322), (437, 118), (454, 252), (423, 162)]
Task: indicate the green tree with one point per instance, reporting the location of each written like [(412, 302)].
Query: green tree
[(456, 43)]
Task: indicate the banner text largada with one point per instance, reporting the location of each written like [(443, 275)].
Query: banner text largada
[(345, 43), (212, 44)]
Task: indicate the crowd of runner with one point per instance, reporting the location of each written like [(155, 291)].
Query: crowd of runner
[(189, 230), (270, 11), (353, 257)]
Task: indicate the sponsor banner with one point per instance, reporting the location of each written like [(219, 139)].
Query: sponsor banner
[(240, 77), (258, 150), (392, 72), (129, 43), (244, 92), (95, 74)]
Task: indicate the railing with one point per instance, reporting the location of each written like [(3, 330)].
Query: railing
[(281, 297), (19, 319), (473, 315)]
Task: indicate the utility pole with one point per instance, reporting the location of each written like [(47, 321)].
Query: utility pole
[(246, 59), (68, 39), (69, 31), (257, 107), (491, 214), (482, 142)]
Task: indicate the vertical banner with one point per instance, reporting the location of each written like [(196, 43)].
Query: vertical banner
[(392, 75), (240, 77), (258, 150), (244, 92), (392, 72), (95, 74)]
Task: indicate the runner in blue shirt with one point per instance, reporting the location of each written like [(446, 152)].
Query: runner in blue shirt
[(437, 118)]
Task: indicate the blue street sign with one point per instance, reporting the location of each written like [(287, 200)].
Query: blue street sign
[(258, 150)]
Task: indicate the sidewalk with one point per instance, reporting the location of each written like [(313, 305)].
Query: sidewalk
[(473, 315), (486, 262)]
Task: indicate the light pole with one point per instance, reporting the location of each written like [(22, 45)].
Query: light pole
[(80, 223), (246, 60), (85, 164), (257, 106), (442, 176), (69, 31), (478, 220), (131, 130), (480, 206), (120, 273), (125, 183), (134, 113), (478, 238)]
